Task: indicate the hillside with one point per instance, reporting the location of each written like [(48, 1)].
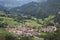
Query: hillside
[(8, 22), (32, 9), (54, 8), (39, 10)]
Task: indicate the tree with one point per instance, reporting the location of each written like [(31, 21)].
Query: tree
[(53, 36), (11, 37), (49, 21)]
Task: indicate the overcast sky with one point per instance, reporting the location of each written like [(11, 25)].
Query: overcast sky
[(10, 3)]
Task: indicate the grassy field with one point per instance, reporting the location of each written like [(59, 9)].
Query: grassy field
[(9, 21)]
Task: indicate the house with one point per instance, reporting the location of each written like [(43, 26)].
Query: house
[(23, 30), (49, 29)]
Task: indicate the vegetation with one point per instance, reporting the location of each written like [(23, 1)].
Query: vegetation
[(5, 35), (5, 22), (33, 15)]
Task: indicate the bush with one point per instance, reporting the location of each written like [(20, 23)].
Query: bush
[(5, 35)]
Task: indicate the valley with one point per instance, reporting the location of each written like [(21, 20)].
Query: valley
[(31, 21)]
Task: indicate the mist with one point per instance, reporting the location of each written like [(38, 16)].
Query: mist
[(15, 3)]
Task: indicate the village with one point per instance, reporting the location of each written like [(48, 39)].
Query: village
[(24, 30)]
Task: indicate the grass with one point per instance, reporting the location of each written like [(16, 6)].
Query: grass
[(35, 38), (43, 33), (32, 22), (9, 21), (28, 22)]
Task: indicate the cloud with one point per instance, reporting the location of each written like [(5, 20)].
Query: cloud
[(19, 0), (39, 0), (9, 3)]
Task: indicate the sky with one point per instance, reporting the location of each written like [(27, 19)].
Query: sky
[(14, 3)]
